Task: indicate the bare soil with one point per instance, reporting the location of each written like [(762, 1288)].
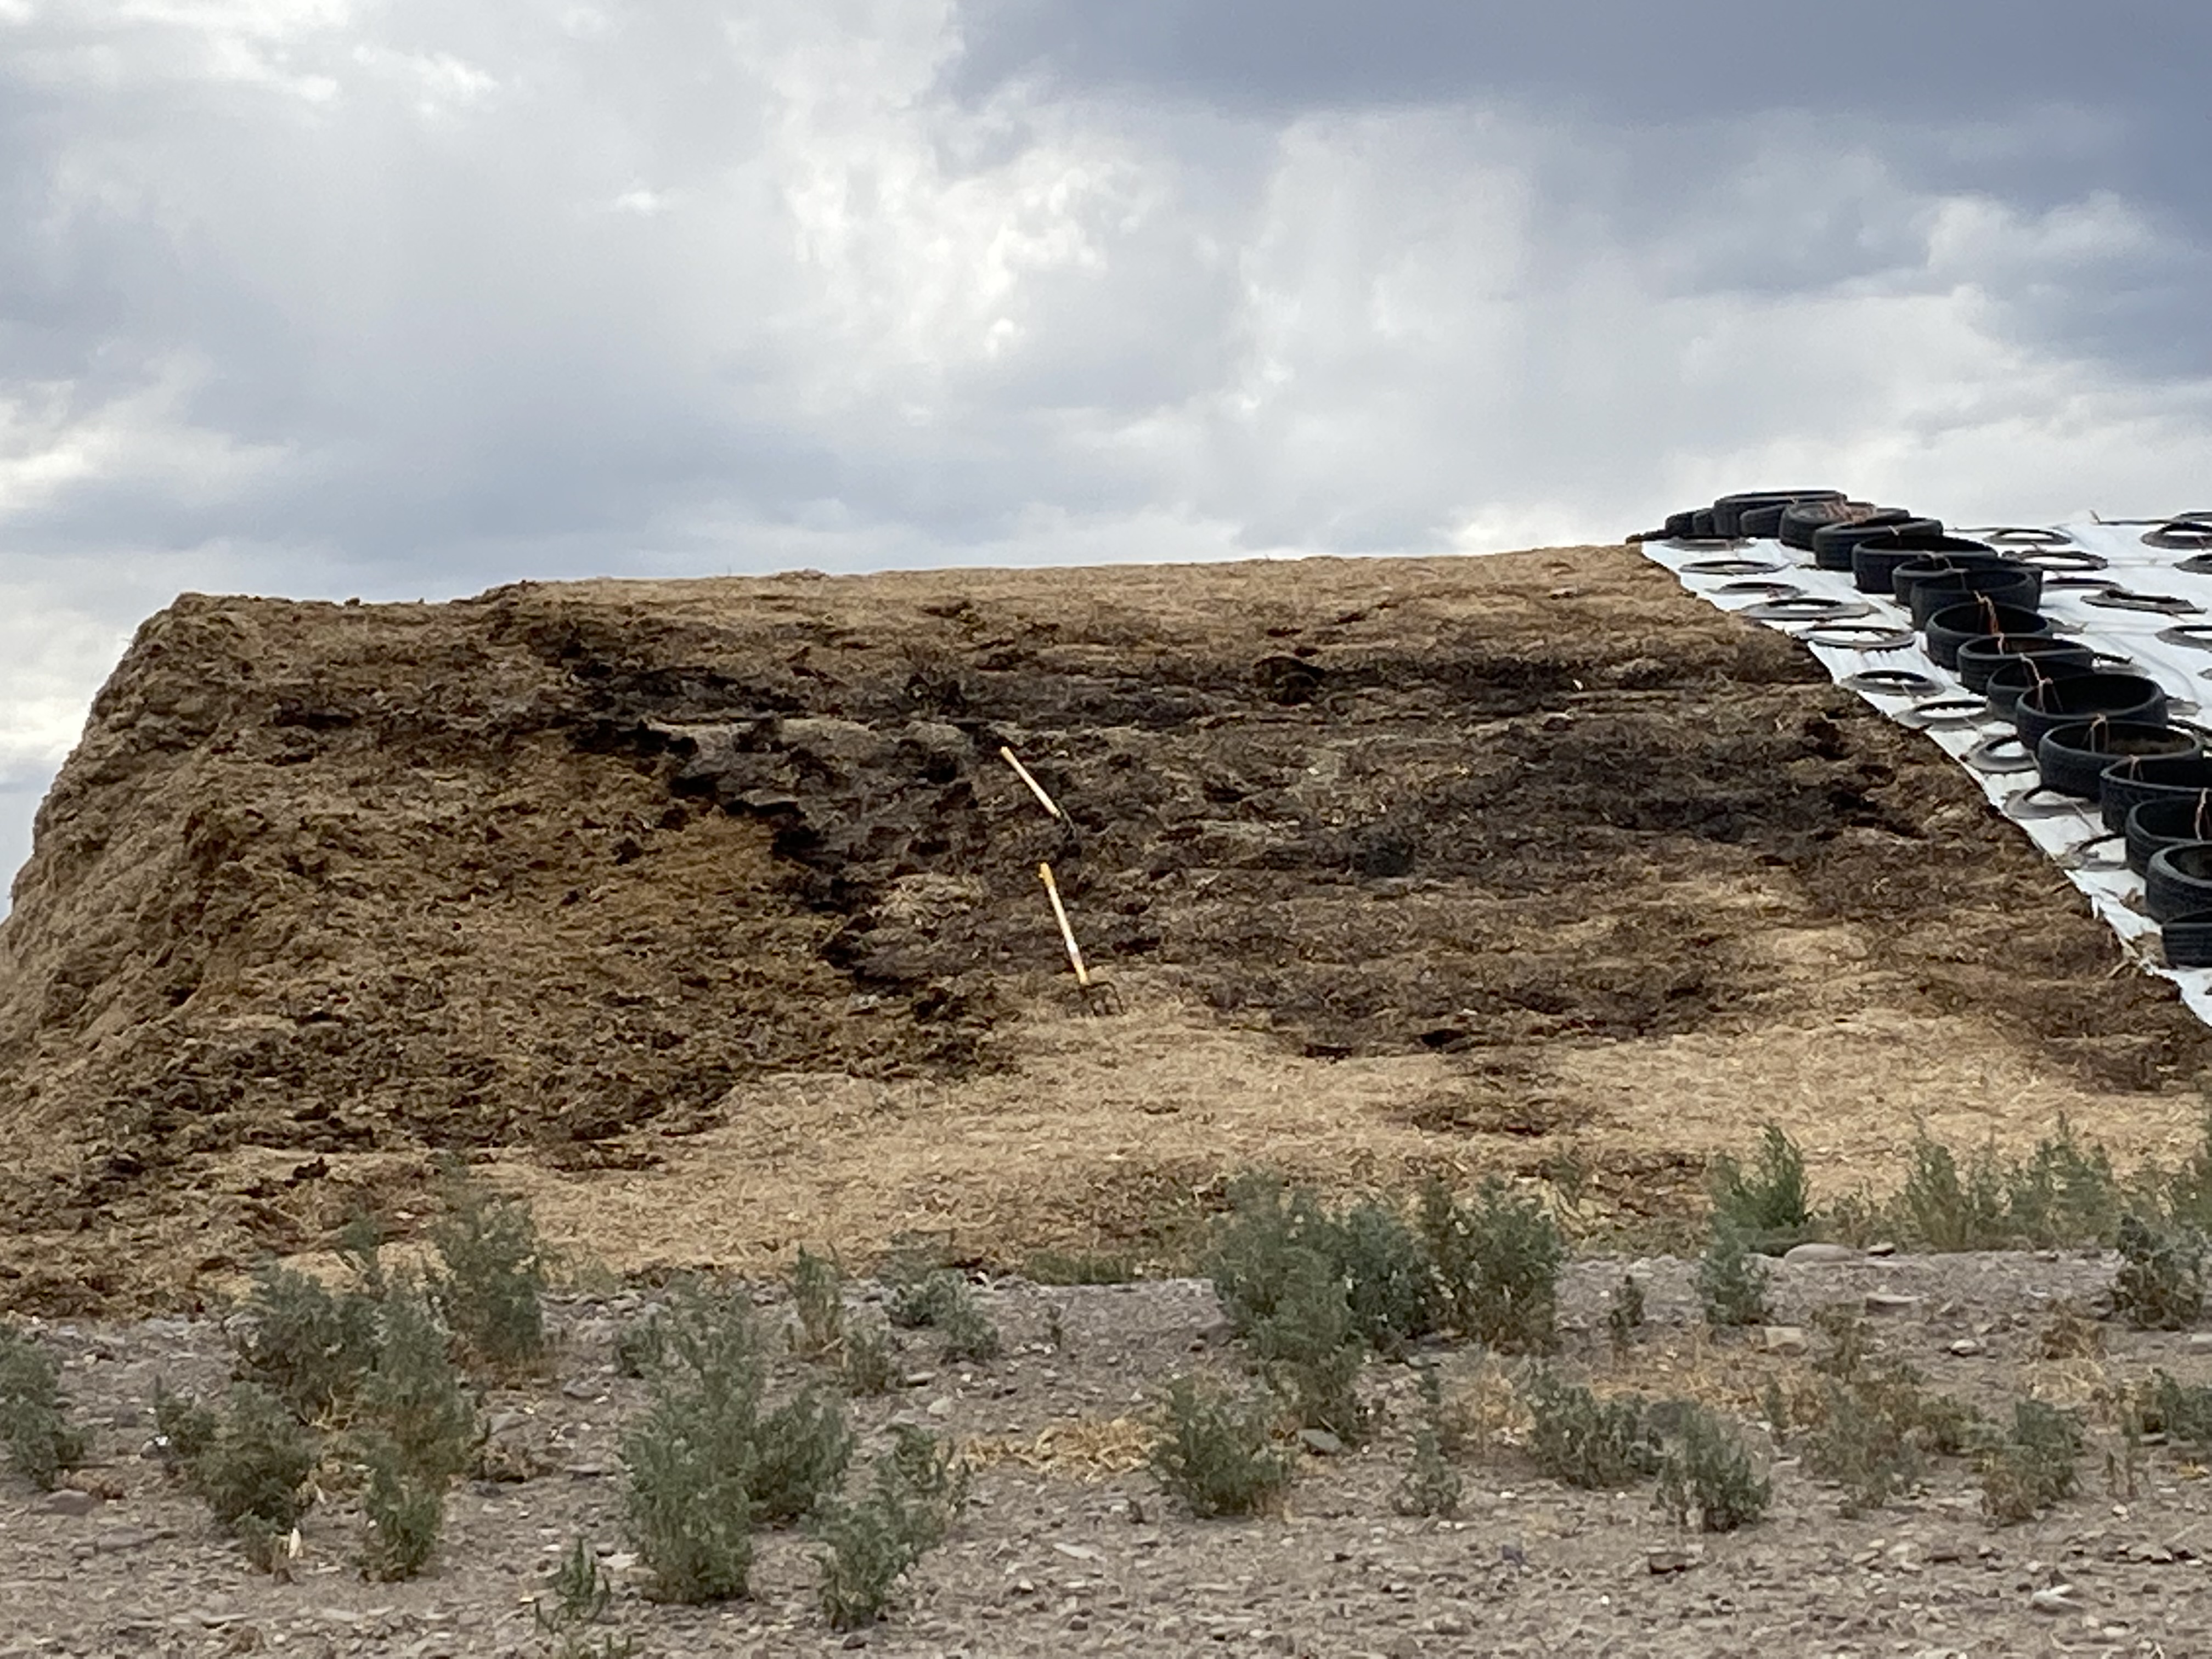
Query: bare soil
[(1070, 1547), (708, 914)]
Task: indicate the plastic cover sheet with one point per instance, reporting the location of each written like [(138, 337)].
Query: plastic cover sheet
[(2070, 832)]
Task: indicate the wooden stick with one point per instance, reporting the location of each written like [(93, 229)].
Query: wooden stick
[(1066, 933), (1035, 788)]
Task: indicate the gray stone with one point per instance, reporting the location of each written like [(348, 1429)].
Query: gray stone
[(1890, 1302), (69, 1501), (1809, 1256), (1665, 1559), (1784, 1339), (1321, 1443)]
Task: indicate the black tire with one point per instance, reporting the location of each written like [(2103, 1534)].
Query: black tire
[(1701, 525), (2188, 940), (2010, 680), (2064, 702), (2167, 822), (1904, 578), (1800, 519), (1728, 511), (1877, 560), (1980, 658), (2192, 531), (2178, 881), (1833, 545), (2127, 784), (2073, 758), (1678, 525), (2022, 589), (1948, 631)]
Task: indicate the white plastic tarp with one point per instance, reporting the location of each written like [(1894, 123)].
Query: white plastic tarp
[(2064, 830)]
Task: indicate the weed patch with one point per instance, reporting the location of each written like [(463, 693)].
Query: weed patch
[(250, 1461), (1769, 1204), (817, 1297), (1430, 1485), (34, 1424), (1587, 1441), (491, 1289), (1732, 1282), (1497, 1260), (1218, 1454), (2032, 1469), (304, 1343), (1707, 1475), (690, 1454), (915, 1491), (415, 1427), (2160, 1283)]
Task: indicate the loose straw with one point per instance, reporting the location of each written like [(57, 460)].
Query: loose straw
[(1043, 800), (1060, 914)]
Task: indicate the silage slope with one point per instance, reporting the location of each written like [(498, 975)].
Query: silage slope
[(708, 911)]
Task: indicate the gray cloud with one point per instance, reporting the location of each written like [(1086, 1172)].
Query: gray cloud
[(309, 296)]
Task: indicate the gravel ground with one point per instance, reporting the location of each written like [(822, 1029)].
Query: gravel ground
[(1073, 1550)]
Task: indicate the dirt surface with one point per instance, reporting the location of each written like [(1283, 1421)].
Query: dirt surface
[(708, 914), (1069, 1547)]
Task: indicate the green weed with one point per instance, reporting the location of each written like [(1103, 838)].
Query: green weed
[(1218, 1454), (34, 1424)]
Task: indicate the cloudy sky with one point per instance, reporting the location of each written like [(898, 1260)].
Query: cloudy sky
[(332, 297)]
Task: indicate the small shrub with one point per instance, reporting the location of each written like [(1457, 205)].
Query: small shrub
[(1588, 1442), (1498, 1260), (871, 1360), (251, 1464), (187, 1425), (1218, 1455), (406, 1513), (304, 1343), (2064, 1194), (917, 1489), (817, 1297), (1944, 1210), (1279, 1238), (34, 1422), (800, 1454), (690, 1454), (1769, 1204), (1623, 1314), (2160, 1282), (416, 1430), (1430, 1485), (2061, 1193), (1389, 1286), (413, 1395), (1732, 1282), (1863, 1449), (1275, 1241), (919, 1303), (1310, 1353), (1707, 1474), (493, 1278), (970, 1337), (2180, 1411), (2032, 1469), (581, 1593)]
